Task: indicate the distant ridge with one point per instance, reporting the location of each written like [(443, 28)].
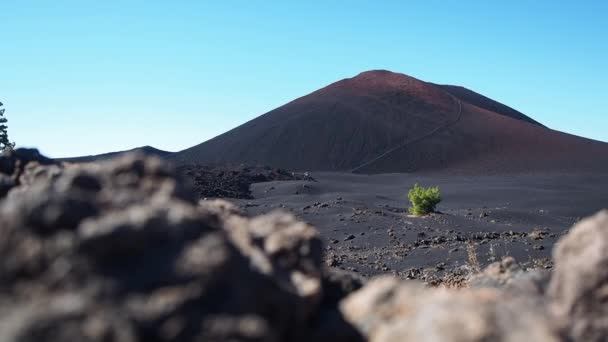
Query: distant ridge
[(147, 150)]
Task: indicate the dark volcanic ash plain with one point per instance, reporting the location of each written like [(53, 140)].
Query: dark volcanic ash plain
[(364, 222)]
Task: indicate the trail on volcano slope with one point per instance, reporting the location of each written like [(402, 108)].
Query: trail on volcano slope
[(415, 140)]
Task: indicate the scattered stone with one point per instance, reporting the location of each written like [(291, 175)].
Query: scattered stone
[(537, 234)]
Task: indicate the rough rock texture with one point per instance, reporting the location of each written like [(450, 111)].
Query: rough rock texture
[(233, 182), (21, 166), (579, 287), (124, 251), (509, 276), (391, 310)]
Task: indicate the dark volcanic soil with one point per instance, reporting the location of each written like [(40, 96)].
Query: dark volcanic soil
[(364, 222)]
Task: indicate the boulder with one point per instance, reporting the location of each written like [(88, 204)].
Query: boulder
[(579, 286), (509, 276), (387, 310), (123, 251), (21, 165)]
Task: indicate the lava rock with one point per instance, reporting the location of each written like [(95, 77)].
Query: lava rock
[(580, 279), (387, 309), (233, 182), (123, 251)]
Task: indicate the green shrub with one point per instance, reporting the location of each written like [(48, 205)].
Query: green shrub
[(423, 199)]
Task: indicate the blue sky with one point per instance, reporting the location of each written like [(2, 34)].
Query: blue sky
[(85, 77)]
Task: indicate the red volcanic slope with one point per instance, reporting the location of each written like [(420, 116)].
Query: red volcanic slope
[(483, 102), (380, 121)]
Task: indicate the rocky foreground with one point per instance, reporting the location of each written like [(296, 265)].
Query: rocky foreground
[(123, 251)]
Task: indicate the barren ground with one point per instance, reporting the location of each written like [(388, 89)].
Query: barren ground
[(365, 225)]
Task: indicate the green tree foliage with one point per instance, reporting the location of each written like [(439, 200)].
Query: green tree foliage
[(5, 143), (424, 200)]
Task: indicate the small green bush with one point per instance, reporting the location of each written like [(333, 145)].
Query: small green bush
[(424, 200)]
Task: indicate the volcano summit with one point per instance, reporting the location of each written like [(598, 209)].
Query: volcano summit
[(380, 122)]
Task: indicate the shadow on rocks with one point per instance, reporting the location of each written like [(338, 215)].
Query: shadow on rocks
[(122, 251)]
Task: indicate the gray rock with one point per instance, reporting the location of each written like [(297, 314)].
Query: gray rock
[(387, 309), (122, 251), (579, 284), (20, 165)]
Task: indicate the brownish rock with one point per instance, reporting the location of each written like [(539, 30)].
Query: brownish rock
[(122, 251), (579, 284), (387, 309)]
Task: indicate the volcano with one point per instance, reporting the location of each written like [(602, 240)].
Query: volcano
[(383, 122)]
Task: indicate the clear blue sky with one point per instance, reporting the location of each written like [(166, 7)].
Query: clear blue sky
[(84, 77)]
